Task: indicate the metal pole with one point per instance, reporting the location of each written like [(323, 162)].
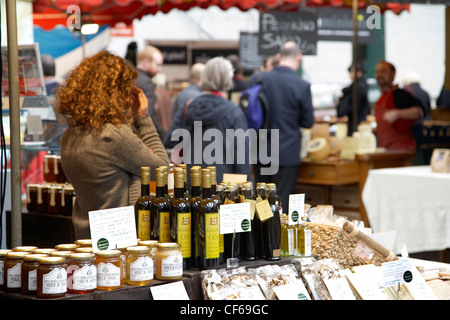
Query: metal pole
[(355, 60), (14, 120)]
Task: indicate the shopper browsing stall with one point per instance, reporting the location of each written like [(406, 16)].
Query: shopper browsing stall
[(109, 138)]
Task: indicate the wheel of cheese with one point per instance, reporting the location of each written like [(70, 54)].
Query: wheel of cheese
[(318, 149)]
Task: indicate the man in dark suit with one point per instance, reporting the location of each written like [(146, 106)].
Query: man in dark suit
[(290, 108)]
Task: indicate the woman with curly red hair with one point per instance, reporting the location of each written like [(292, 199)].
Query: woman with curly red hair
[(110, 136)]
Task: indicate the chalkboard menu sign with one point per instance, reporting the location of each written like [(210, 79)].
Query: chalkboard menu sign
[(248, 51), (276, 28)]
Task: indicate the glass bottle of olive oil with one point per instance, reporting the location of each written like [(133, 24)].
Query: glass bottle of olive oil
[(180, 219), (304, 239), (194, 202), (142, 206), (208, 223), (159, 211)]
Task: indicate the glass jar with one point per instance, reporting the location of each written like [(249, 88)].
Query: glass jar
[(13, 270), (46, 251), (169, 261), (28, 249), (62, 254), (66, 247), (81, 273), (84, 243), (29, 273), (68, 199), (50, 163), (32, 194), (42, 196), (58, 171), (3, 253), (84, 250), (52, 277), (152, 245), (139, 265), (109, 269), (54, 197)]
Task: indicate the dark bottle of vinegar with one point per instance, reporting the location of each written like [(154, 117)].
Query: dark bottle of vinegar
[(232, 242), (271, 228), (194, 202), (248, 239), (142, 206), (180, 219), (208, 223), (159, 211), (261, 194)]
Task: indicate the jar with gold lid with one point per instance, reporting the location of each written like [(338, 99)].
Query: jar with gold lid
[(54, 201), (109, 269), (3, 253), (13, 270), (43, 251), (66, 247), (62, 254), (152, 245), (139, 265), (32, 195), (41, 206), (52, 277), (169, 261), (29, 249), (84, 250), (67, 200), (84, 243), (81, 273), (29, 273)]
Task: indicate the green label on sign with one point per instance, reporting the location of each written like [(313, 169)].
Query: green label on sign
[(102, 244), (245, 224)]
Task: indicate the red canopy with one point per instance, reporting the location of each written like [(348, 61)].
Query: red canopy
[(49, 13)]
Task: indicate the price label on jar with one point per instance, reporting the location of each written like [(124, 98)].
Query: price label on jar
[(172, 266)]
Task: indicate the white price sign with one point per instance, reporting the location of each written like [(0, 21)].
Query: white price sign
[(112, 228), (235, 218), (296, 208)]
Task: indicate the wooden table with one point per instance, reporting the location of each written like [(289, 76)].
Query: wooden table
[(332, 173)]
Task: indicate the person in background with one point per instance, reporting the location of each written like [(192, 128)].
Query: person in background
[(396, 111), (212, 110), (49, 70), (411, 83), (110, 136), (239, 84), (270, 62), (290, 108), (345, 103), (131, 53), (192, 90), (149, 62)]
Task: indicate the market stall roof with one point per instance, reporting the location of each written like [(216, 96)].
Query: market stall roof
[(49, 13)]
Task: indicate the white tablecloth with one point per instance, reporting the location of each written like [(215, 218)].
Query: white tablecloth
[(414, 202)]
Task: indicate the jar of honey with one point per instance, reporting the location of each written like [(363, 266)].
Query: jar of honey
[(32, 195), (66, 247), (54, 197), (169, 261), (13, 270), (46, 251), (68, 199), (62, 254), (50, 163), (84, 243), (42, 196), (139, 265), (84, 250), (58, 171), (109, 269), (29, 249), (81, 273), (152, 245), (3, 253), (51, 277), (29, 273)]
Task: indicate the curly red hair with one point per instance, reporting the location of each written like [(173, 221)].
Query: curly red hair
[(98, 91)]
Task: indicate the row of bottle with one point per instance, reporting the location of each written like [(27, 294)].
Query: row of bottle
[(295, 238), (51, 273), (191, 218), (53, 198)]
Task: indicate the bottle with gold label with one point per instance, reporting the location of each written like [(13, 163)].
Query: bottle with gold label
[(194, 201), (271, 228), (208, 226), (180, 219), (215, 196), (304, 239), (159, 211), (142, 206)]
